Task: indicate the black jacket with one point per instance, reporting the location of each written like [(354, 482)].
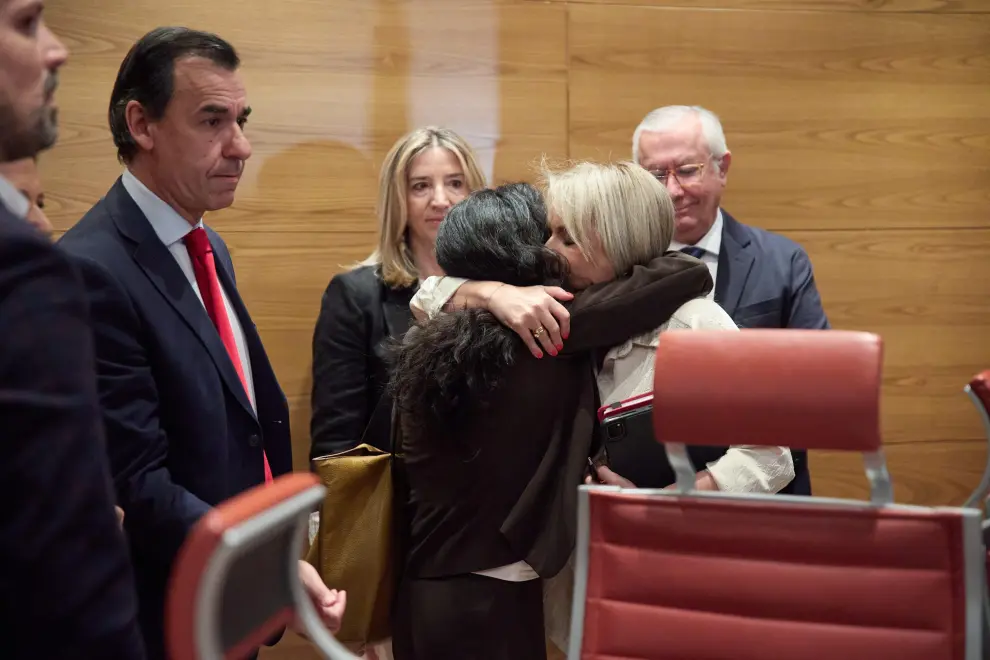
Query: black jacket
[(358, 313), (65, 574)]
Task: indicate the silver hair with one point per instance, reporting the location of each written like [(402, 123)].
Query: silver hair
[(665, 118)]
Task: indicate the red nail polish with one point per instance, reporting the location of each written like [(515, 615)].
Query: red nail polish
[(539, 355)]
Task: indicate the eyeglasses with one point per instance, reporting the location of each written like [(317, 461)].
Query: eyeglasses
[(686, 175)]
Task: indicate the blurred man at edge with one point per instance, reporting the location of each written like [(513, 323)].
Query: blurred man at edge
[(67, 585)]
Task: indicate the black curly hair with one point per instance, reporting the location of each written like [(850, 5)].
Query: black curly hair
[(445, 368)]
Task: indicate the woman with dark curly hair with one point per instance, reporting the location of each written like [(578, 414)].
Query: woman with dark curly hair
[(494, 440)]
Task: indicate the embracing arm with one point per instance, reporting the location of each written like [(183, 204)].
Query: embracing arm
[(160, 512), (438, 294), (743, 469), (751, 469), (64, 559), (340, 371), (603, 315), (609, 313), (519, 308)]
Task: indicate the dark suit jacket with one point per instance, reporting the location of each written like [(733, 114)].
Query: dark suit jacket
[(765, 281), (502, 486), (66, 580), (181, 432), (358, 313)]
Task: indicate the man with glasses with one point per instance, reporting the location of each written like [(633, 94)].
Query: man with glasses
[(762, 279)]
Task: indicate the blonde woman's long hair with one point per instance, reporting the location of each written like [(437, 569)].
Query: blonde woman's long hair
[(393, 254), (620, 203)]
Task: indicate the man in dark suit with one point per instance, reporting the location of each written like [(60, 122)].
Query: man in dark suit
[(762, 279), (67, 585), (193, 412)]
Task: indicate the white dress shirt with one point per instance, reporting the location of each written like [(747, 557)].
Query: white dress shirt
[(12, 198), (711, 243), (171, 228)]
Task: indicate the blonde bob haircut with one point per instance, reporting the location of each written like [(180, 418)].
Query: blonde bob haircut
[(622, 204), (393, 253)]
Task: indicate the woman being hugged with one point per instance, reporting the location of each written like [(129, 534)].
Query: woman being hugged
[(495, 441), (602, 237), (604, 234)]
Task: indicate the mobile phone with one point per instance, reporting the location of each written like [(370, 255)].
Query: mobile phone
[(627, 436)]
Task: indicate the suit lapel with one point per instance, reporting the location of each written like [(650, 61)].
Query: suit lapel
[(735, 261), (395, 308), (161, 268)]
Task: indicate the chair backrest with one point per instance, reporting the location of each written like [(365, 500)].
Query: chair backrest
[(792, 388), (235, 582), (978, 391), (678, 573)]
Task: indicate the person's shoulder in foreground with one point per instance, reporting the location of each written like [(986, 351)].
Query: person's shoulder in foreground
[(64, 567)]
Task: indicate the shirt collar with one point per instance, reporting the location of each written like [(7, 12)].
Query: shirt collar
[(12, 198), (710, 242), (166, 221)]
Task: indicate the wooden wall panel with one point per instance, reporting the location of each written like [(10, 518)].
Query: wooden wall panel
[(332, 85), (864, 137), (835, 120), (907, 6), (916, 289), (859, 128), (942, 473)]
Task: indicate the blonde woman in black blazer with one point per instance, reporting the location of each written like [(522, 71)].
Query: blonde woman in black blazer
[(425, 173)]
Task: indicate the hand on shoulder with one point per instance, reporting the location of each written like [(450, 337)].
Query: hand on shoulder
[(535, 314)]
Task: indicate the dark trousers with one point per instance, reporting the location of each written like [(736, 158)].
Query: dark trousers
[(469, 617)]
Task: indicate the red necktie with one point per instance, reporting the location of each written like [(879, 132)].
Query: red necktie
[(201, 253)]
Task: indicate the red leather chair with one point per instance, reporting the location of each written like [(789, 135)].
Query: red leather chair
[(236, 580), (978, 391), (683, 574)]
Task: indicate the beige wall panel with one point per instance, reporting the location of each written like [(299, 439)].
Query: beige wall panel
[(925, 293), (862, 136), (835, 120), (929, 6), (332, 85), (937, 473)]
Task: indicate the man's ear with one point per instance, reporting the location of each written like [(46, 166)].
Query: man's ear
[(139, 125), (723, 169)]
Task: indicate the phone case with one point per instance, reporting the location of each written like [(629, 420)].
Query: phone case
[(630, 448)]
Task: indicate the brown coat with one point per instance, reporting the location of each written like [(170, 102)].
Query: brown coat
[(511, 494)]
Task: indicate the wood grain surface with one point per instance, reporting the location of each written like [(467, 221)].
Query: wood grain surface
[(859, 6), (859, 128)]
